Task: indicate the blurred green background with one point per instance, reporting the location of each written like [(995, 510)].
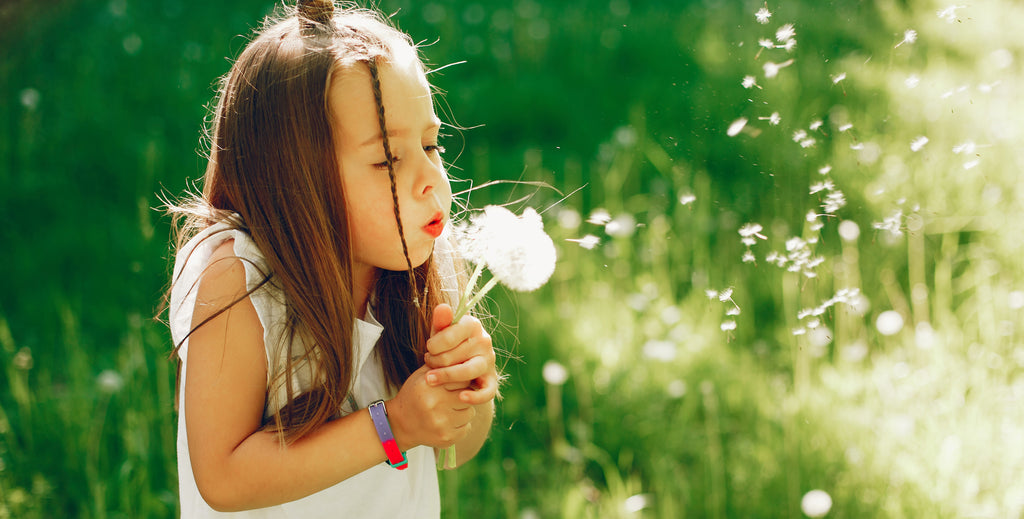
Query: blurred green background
[(636, 389)]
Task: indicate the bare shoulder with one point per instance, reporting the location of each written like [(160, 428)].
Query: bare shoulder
[(223, 283)]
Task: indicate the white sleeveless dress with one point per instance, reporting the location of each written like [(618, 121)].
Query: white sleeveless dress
[(380, 491)]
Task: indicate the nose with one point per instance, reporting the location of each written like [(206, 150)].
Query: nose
[(430, 174)]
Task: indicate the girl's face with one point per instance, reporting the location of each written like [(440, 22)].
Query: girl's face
[(424, 194)]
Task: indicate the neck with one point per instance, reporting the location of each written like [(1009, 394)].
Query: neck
[(363, 279)]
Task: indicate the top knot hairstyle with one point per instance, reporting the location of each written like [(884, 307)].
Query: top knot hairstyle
[(272, 161)]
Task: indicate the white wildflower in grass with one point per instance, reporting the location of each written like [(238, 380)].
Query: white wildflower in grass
[(687, 198), (750, 82), (772, 69), (554, 373), (918, 143), (816, 503), (785, 33), (889, 322), (909, 36), (912, 81), (763, 15), (736, 127), (838, 77), (587, 242), (599, 217)]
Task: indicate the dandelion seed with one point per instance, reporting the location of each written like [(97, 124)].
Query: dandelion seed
[(824, 170), (912, 81), (971, 164), (799, 331), (789, 45), (587, 242), (918, 143), (736, 127), (634, 504), (766, 43), (687, 198), (816, 503), (728, 326), (893, 223), (712, 294), (909, 36), (784, 33), (599, 217), (811, 215), (772, 69), (734, 311), (845, 127), (857, 146), (748, 257), (808, 142), (834, 201), (815, 125), (554, 373), (799, 135), (749, 241), (838, 77), (752, 229), (816, 226), (763, 15), (949, 14), (774, 119), (825, 185), (967, 147), (750, 82), (725, 295)]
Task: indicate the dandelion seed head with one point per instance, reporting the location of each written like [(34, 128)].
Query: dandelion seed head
[(517, 251), (554, 373), (736, 127), (918, 143), (816, 503), (889, 322), (763, 15)]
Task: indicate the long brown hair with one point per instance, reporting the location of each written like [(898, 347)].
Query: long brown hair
[(272, 161)]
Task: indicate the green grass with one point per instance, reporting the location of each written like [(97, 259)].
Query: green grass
[(663, 414)]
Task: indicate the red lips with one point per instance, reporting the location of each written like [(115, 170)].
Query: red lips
[(435, 226)]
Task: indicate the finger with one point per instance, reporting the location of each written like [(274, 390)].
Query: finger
[(465, 372), (487, 390), (441, 319), (451, 337)]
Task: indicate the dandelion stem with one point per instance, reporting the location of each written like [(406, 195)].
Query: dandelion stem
[(464, 299), (464, 309)]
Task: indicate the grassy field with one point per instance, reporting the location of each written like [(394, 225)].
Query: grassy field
[(866, 341)]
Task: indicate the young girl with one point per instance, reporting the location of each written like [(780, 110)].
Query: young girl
[(310, 299)]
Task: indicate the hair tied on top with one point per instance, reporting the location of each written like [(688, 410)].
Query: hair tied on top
[(316, 11)]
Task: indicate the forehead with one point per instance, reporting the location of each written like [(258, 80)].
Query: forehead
[(404, 88)]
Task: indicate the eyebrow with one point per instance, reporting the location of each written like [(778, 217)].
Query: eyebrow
[(436, 123)]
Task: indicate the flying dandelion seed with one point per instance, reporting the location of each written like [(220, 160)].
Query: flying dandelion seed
[(815, 125), (816, 503), (834, 201), (748, 257), (687, 198), (967, 147), (766, 43), (774, 119), (752, 230), (824, 170), (712, 294), (728, 326), (846, 127), (734, 311), (789, 45), (750, 82), (949, 14), (799, 135), (763, 15), (772, 69), (918, 143), (599, 217), (587, 242), (808, 142), (785, 33), (825, 185), (838, 77), (725, 295), (736, 127), (912, 81), (971, 164), (909, 36)]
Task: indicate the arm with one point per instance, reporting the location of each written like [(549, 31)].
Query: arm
[(238, 467)]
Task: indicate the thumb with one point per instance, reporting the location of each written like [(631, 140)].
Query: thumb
[(442, 318)]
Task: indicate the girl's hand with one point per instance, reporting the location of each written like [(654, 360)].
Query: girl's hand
[(460, 357), (424, 414)]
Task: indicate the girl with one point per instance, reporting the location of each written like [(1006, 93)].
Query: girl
[(312, 380)]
